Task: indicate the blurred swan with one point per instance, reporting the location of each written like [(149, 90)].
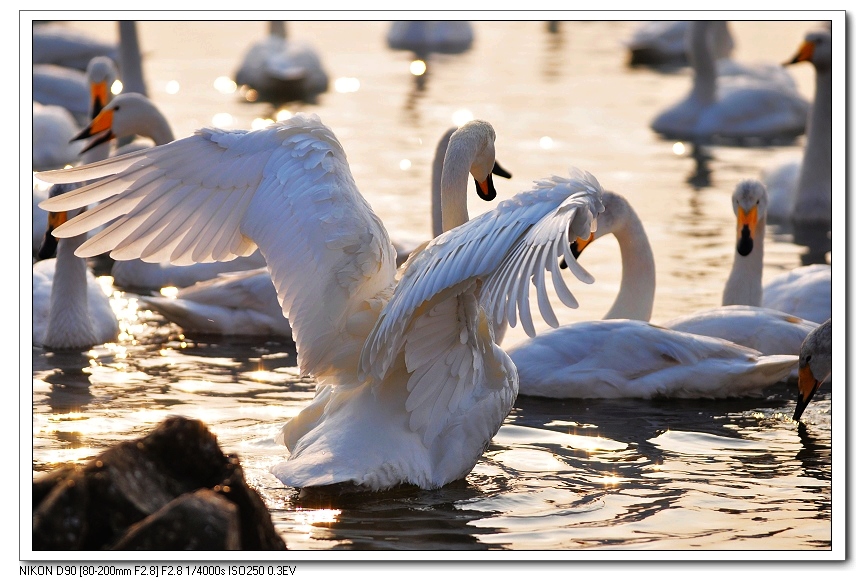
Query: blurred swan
[(62, 86), (412, 386), (730, 108), (424, 37), (54, 127), (622, 358), (57, 45), (662, 43), (805, 291), (246, 303), (281, 69), (815, 365), (130, 114), (802, 190), (70, 309)]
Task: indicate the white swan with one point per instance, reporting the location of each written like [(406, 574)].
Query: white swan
[(802, 190), (130, 114), (805, 291), (53, 129), (62, 86), (70, 309), (728, 108), (662, 43), (424, 37), (56, 45), (246, 303), (622, 358), (412, 386), (279, 68), (815, 365)]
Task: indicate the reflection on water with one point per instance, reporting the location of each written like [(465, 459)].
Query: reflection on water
[(577, 474)]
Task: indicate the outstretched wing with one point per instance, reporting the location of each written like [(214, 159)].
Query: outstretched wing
[(216, 195)]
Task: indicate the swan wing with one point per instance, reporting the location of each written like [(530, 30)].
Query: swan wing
[(286, 189)]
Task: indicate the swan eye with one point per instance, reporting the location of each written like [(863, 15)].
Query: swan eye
[(808, 359)]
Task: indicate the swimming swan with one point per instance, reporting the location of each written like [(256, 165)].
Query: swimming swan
[(412, 386), (815, 365), (730, 108)]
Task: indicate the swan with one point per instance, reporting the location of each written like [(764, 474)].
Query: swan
[(805, 291), (279, 68), (802, 190), (815, 365), (662, 43), (70, 309), (729, 108), (130, 114), (62, 86), (424, 37), (246, 303), (53, 129), (411, 385), (57, 45)]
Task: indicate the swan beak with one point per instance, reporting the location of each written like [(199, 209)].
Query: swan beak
[(98, 98), (746, 224), (806, 52), (49, 242), (100, 127), (807, 388), (577, 247), (486, 189)]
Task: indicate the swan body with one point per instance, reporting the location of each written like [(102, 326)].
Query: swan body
[(815, 365), (279, 68), (801, 190), (57, 45), (62, 86), (53, 129), (730, 108), (412, 386), (662, 43), (620, 358), (425, 37), (805, 291)]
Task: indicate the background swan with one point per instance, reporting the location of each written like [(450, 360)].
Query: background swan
[(433, 386), (70, 309), (802, 190), (662, 43), (815, 365), (424, 37), (730, 108), (282, 69), (53, 129), (56, 45)]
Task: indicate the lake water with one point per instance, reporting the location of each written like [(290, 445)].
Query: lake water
[(716, 479)]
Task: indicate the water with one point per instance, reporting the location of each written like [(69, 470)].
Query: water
[(729, 475)]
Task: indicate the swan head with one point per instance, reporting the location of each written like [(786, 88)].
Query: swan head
[(617, 216), (816, 49), (750, 204), (815, 365), (101, 75), (477, 140), (126, 115)]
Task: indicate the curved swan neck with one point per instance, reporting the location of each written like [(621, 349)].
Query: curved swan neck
[(457, 166), (69, 323), (813, 190), (438, 166), (702, 61), (637, 291), (744, 286)]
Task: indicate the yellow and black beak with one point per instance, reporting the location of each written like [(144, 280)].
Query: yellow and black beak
[(806, 53), (49, 242), (746, 224), (577, 246), (100, 127), (98, 98), (808, 385), (485, 189)]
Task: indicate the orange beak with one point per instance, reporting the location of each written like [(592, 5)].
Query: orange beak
[(807, 388), (806, 52), (746, 224)]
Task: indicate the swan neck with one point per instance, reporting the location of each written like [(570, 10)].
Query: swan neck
[(637, 291), (69, 322), (130, 58), (454, 204), (437, 168), (813, 190), (703, 63), (277, 28), (745, 284)]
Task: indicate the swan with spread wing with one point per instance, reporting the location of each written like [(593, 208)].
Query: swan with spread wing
[(411, 384)]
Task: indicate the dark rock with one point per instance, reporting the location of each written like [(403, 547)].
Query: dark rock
[(165, 491)]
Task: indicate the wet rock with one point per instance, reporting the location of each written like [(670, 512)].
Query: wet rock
[(172, 489)]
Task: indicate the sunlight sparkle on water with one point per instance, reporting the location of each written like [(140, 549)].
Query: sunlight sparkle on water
[(546, 142), (678, 148), (169, 291), (261, 123), (224, 85), (172, 87), (405, 164), (462, 116), (417, 68), (116, 87), (283, 114), (346, 85), (222, 119), (309, 518)]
